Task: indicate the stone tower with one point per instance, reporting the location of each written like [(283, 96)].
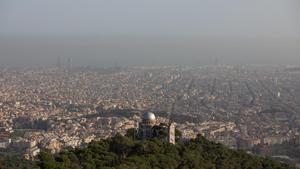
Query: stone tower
[(171, 133)]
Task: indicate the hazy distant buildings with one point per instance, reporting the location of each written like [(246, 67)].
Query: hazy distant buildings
[(238, 107)]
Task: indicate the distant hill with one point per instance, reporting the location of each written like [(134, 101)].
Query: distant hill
[(124, 152)]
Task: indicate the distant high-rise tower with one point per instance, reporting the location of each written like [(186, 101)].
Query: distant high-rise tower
[(116, 66), (216, 61), (69, 64), (276, 81), (278, 94), (58, 63)]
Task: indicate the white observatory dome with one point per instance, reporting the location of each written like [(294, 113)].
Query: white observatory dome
[(149, 116)]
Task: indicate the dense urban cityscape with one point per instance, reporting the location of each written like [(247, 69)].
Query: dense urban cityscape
[(254, 108)]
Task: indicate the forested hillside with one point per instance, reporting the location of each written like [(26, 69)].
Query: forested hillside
[(124, 152)]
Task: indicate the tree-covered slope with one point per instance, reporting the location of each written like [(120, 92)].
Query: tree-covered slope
[(124, 152)]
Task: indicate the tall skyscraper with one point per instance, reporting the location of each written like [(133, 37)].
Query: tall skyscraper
[(59, 63), (69, 64)]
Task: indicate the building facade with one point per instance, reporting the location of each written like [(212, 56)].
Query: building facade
[(149, 128)]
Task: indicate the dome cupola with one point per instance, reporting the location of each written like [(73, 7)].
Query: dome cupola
[(149, 118)]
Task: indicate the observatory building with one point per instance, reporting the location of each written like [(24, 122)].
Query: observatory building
[(149, 128)]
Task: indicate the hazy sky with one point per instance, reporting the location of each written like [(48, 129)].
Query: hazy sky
[(149, 31)]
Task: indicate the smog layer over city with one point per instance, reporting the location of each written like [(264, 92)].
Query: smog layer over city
[(150, 84)]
